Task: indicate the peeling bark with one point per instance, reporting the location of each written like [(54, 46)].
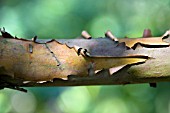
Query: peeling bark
[(83, 61)]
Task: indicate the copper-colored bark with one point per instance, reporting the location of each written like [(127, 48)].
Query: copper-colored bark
[(83, 61)]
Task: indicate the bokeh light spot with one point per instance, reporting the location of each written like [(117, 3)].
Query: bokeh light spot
[(114, 105), (4, 103), (74, 100), (23, 102)]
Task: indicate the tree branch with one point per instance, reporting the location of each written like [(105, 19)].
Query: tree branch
[(75, 62)]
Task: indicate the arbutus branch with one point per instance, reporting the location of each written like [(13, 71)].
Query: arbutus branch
[(83, 61)]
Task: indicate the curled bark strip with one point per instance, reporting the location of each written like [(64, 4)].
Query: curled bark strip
[(86, 35), (147, 33), (34, 38), (146, 42), (110, 35), (30, 48), (5, 34)]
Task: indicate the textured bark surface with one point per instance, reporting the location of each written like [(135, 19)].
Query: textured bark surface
[(75, 62)]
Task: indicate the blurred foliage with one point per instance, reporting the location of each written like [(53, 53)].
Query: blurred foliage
[(66, 19)]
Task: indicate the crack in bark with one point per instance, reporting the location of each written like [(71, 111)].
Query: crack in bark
[(53, 55), (1, 52)]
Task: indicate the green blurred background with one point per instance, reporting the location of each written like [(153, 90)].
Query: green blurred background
[(66, 19)]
